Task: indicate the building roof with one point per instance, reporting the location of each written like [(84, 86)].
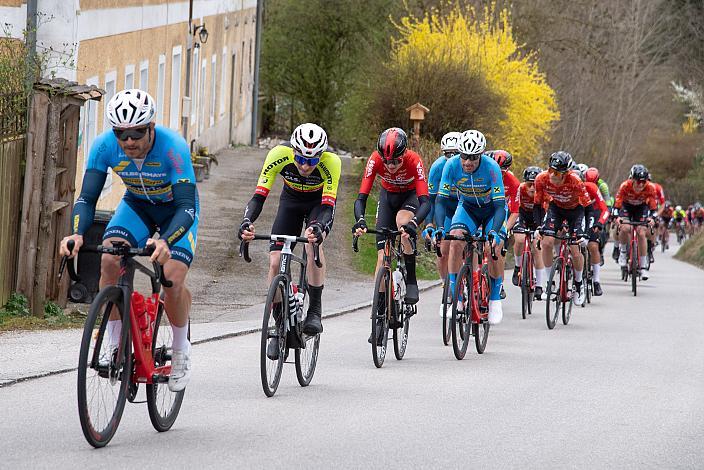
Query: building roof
[(68, 88)]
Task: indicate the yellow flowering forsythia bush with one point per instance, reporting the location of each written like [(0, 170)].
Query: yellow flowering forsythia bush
[(486, 46)]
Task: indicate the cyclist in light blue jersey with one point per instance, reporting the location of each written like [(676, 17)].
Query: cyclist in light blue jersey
[(482, 203), (449, 145), (154, 163)]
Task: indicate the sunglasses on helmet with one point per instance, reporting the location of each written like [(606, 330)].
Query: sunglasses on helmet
[(470, 156), (301, 160), (134, 133)]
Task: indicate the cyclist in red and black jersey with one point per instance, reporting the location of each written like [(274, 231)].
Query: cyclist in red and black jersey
[(636, 200), (524, 200), (666, 214), (403, 199), (595, 216), (566, 198), (652, 236)]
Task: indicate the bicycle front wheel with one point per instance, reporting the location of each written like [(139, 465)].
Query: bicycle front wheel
[(553, 299), (568, 302), (380, 321), (163, 404), (271, 362), (634, 269), (104, 370), (526, 293), (461, 322), (401, 333), (481, 330), (307, 355), (446, 311)]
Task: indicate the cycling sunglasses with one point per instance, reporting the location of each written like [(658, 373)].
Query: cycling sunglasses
[(301, 160), (134, 133), (472, 157), (553, 171)]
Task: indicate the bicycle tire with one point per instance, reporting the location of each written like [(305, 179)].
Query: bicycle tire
[(526, 294), (553, 295), (568, 303), (480, 331), (446, 312), (270, 369), (163, 404), (589, 278), (306, 358), (401, 334), (461, 320), (634, 269), (116, 372), (383, 277)]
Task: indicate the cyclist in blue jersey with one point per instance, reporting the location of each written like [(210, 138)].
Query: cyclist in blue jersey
[(154, 163), (449, 145), (482, 202)]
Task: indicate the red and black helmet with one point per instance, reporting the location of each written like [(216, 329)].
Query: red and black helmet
[(591, 175), (503, 158), (392, 144)]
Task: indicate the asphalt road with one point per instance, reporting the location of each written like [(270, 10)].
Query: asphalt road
[(622, 386)]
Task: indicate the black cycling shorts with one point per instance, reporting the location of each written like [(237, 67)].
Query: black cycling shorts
[(293, 213), (525, 221), (387, 208), (555, 217), (636, 213), (591, 217)]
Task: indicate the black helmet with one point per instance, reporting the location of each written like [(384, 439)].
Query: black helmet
[(560, 161), (392, 144), (639, 173), (530, 173)]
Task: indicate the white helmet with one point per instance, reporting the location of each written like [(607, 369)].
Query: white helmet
[(130, 108), (450, 141), (582, 167), (472, 142), (678, 208), (309, 140)]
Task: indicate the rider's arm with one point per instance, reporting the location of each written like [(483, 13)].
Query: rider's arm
[(443, 193), (272, 167), (330, 166), (423, 209), (499, 206), (538, 211), (184, 191), (93, 182)]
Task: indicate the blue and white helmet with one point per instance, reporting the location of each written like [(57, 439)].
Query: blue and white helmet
[(130, 108), (450, 141), (472, 142)]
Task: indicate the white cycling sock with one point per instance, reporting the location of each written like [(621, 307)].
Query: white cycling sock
[(180, 342), (518, 260), (623, 247), (577, 276), (643, 261), (114, 331), (595, 271), (539, 275)]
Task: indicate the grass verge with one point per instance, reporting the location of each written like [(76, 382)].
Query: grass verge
[(692, 251), (15, 316)]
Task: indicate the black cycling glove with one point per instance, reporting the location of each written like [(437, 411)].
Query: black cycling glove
[(361, 223), (245, 225)]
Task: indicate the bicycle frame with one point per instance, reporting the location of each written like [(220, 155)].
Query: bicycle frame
[(565, 255), (480, 301), (527, 252)]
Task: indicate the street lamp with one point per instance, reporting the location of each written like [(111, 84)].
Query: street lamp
[(202, 34)]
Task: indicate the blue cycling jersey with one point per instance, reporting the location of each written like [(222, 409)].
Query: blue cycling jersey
[(167, 163), (434, 178)]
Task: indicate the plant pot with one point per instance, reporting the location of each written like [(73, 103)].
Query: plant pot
[(205, 161), (199, 170)]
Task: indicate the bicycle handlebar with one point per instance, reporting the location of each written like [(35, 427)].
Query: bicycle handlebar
[(244, 246), (388, 233), (118, 249)]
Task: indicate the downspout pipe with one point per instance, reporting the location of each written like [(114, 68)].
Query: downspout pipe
[(255, 88), (189, 47)]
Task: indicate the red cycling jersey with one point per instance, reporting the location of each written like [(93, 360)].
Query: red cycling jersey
[(511, 185), (627, 195), (597, 201), (667, 212), (659, 194), (409, 176), (525, 197), (570, 194)]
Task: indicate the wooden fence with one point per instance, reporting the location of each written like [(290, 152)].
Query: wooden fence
[(12, 152)]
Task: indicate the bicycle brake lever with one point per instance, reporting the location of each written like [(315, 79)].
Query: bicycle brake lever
[(316, 255), (355, 240), (244, 251)]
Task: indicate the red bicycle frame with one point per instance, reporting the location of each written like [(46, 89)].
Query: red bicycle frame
[(527, 254), (566, 256), (143, 313)]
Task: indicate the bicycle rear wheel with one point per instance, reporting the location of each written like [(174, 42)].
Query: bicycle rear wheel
[(104, 373), (401, 333), (380, 323), (461, 322), (273, 328), (553, 299), (526, 294), (446, 312), (306, 357), (634, 269), (163, 404), (481, 330)]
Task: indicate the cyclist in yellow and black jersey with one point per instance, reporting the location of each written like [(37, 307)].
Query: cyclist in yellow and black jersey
[(311, 176)]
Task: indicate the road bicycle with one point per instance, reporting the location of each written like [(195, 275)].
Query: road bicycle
[(680, 231), (633, 268), (470, 300), (526, 273), (588, 278), (389, 291), (446, 298), (560, 283), (286, 303), (109, 375)]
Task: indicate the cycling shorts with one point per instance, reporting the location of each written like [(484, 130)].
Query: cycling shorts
[(555, 217), (136, 221), (666, 221), (387, 208), (525, 221), (476, 220), (291, 216), (636, 213), (590, 218)]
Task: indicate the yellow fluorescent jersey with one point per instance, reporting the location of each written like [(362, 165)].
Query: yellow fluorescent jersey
[(322, 183)]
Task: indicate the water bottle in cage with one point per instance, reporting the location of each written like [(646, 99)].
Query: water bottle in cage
[(292, 304), (399, 285)]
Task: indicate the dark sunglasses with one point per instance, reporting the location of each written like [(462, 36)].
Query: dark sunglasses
[(471, 157), (301, 160), (134, 133)]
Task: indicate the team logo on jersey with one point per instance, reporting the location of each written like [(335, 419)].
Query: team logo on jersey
[(497, 189), (153, 164), (192, 213), (419, 169), (184, 180), (121, 166), (370, 168)]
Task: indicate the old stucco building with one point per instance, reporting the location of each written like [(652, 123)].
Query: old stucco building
[(118, 44)]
